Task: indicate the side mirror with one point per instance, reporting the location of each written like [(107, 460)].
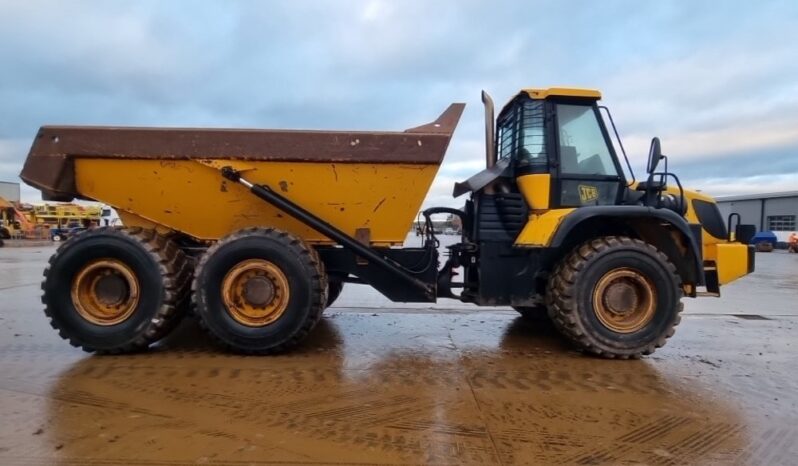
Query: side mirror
[(654, 155)]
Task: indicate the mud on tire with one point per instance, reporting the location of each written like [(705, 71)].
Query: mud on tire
[(571, 304), (300, 271), (161, 274)]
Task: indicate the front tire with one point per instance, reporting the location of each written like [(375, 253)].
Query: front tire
[(259, 291), (615, 297), (113, 290)]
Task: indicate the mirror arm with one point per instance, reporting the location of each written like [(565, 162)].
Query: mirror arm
[(620, 144)]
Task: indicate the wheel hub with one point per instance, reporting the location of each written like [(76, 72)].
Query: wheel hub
[(624, 300), (255, 292), (258, 291), (111, 289), (105, 292), (621, 298)]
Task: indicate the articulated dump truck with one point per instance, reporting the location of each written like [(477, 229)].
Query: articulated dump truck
[(258, 230)]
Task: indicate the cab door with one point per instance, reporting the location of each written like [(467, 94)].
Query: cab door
[(587, 169)]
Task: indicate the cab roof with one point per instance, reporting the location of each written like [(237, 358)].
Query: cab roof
[(539, 93), (543, 93)]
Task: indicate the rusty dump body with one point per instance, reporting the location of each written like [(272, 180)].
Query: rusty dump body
[(168, 178)]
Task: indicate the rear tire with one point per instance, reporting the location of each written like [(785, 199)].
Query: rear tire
[(259, 291), (615, 297), (114, 290)]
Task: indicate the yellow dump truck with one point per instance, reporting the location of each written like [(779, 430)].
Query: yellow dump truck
[(260, 229)]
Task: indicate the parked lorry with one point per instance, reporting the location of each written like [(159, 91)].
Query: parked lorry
[(260, 229)]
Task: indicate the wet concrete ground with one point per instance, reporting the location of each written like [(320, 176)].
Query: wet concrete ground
[(379, 383)]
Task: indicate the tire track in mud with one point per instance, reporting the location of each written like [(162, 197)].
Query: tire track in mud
[(172, 364), (359, 419), (39, 460), (390, 410), (776, 445), (561, 381), (482, 378), (329, 417), (476, 431), (667, 440), (84, 398), (654, 429), (700, 444)]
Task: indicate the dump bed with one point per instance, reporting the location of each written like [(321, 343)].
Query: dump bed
[(168, 177)]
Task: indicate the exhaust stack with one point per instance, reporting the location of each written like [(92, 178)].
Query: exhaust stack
[(490, 131)]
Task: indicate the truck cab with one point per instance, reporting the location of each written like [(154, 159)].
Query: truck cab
[(558, 135), (558, 197)]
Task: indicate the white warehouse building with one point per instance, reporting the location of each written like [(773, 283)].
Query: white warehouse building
[(9, 191), (776, 212)]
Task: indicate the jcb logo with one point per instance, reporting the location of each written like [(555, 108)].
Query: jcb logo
[(587, 193)]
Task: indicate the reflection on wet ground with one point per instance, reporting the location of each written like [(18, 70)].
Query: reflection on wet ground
[(392, 389), (400, 388)]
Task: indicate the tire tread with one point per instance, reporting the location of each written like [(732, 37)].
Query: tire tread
[(561, 294), (310, 260), (175, 272)]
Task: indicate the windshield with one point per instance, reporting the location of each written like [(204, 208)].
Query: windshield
[(583, 149)]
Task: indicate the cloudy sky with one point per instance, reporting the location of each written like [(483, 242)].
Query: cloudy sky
[(716, 81)]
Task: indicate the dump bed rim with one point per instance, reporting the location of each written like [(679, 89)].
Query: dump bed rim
[(50, 168)]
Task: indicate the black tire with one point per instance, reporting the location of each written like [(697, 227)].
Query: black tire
[(183, 274), (158, 265), (574, 281), (4, 234), (334, 289), (56, 238), (300, 266), (532, 312)]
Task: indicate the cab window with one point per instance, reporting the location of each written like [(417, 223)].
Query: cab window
[(522, 136), (588, 173), (583, 149)]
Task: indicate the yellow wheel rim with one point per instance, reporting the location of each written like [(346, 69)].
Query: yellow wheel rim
[(624, 300), (105, 292), (255, 292)]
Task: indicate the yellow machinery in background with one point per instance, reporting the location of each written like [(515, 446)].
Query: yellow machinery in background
[(65, 214), (260, 229), (35, 221), (15, 221)]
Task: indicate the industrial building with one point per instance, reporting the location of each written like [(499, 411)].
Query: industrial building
[(9, 191), (776, 212)]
